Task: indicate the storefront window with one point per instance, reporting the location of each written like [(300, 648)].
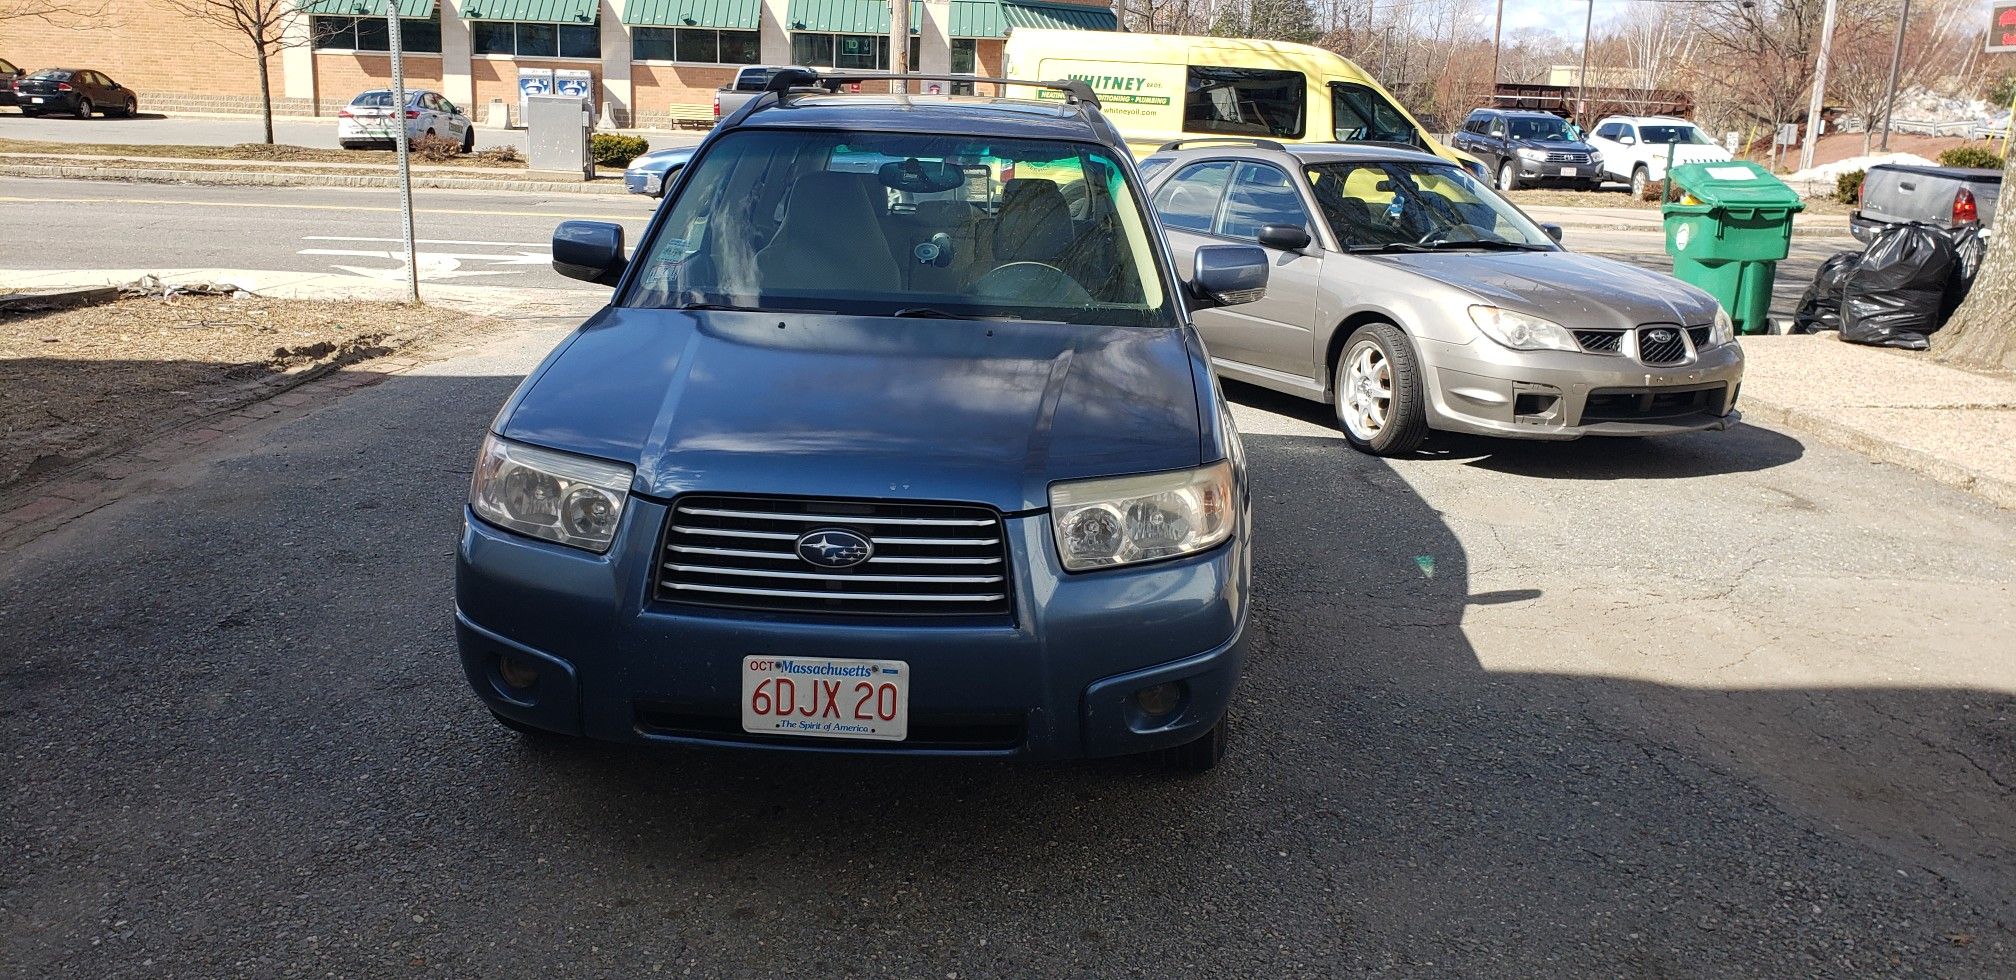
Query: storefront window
[(534, 40), (700, 45), (965, 61), (373, 34), (855, 52)]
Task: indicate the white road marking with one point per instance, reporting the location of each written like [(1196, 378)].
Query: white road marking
[(421, 241)]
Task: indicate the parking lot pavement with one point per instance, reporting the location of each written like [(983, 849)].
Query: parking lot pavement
[(156, 129), (1719, 705)]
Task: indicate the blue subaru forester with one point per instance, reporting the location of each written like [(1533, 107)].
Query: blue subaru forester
[(895, 437)]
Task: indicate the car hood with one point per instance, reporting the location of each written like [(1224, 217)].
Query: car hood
[(1574, 290), (841, 406), (1555, 146), (1689, 153), (659, 161)]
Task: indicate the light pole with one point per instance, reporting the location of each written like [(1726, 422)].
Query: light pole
[(1896, 62)]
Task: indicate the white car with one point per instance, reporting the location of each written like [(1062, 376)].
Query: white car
[(1635, 148), (369, 120)]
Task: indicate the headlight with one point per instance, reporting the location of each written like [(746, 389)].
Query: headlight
[(1127, 519), (1521, 332), (1531, 154), (570, 499), (1724, 330)]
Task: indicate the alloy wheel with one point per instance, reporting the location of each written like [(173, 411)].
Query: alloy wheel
[(1368, 391)]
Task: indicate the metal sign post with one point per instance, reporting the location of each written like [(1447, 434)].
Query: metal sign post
[(405, 156)]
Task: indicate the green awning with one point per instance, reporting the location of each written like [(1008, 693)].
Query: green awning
[(993, 18), (735, 15), (408, 9), (537, 11), (847, 16)]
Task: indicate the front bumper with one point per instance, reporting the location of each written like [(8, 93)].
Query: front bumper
[(643, 182), (1580, 172), (1051, 682), (1486, 389)]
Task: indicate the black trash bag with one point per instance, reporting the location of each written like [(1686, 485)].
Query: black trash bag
[(1969, 248), (1894, 294), (1820, 307)]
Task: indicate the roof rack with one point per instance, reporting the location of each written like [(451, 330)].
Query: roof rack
[(1248, 140), (801, 79)]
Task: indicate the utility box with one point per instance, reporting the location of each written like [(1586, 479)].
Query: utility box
[(1727, 232), (557, 128)]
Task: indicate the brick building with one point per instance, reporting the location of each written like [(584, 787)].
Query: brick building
[(644, 55)]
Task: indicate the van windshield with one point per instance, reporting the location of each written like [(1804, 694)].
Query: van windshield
[(1361, 115), (906, 224)]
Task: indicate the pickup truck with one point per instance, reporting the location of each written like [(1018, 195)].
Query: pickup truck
[(749, 83), (1944, 197)]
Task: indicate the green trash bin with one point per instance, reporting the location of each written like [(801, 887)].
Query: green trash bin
[(1727, 232)]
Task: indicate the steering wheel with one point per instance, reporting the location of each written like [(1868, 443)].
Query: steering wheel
[(1469, 233), (1032, 282)]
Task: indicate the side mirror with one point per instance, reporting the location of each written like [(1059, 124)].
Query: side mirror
[(591, 251), (1627, 141), (1228, 275), (1553, 231), (1285, 238)]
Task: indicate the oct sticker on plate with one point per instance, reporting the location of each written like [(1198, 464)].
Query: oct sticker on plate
[(825, 698)]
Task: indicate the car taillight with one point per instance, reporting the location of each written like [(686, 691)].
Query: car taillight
[(1964, 211), (717, 108), (344, 114), (412, 113), (1861, 190), (62, 86)]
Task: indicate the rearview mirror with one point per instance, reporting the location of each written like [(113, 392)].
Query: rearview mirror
[(1553, 231), (1228, 275), (1286, 238), (591, 251)]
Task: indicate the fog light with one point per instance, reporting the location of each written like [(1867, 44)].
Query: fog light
[(519, 673), (1162, 699)]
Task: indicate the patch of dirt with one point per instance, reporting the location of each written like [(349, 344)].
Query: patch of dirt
[(1620, 197), (272, 153), (79, 383)]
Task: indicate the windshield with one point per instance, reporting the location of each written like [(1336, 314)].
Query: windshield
[(52, 75), (1378, 205), (901, 224), (1530, 128), (1679, 135), (380, 99), (1362, 115)]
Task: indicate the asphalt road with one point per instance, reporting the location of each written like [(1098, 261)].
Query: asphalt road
[(155, 129), (1722, 705)]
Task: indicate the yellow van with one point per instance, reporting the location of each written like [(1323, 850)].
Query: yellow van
[(1163, 87)]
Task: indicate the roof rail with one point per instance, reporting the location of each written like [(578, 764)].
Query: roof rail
[(798, 79), (1249, 140)]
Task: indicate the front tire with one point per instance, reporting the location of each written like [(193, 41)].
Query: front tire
[(1378, 393), (1640, 177), (131, 109), (1508, 176), (83, 108), (1205, 752), (469, 139)]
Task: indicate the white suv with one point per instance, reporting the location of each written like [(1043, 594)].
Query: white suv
[(1634, 148)]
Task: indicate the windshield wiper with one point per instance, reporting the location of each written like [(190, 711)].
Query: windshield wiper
[(732, 308), (1493, 243), (1390, 247), (932, 313)]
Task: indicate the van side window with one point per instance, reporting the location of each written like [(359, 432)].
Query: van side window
[(1245, 102), (1360, 114), (1189, 201)]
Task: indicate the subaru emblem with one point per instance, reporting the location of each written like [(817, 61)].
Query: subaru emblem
[(1660, 336), (833, 547)]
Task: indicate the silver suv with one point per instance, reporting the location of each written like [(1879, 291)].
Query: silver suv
[(1412, 297)]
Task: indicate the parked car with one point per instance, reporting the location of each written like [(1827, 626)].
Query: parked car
[(749, 82), (1412, 297), (1530, 147), (8, 75), (369, 120), (882, 445), (73, 91), (1944, 197), (1635, 148), (652, 173)]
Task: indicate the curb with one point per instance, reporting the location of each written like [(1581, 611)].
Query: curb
[(1995, 490), (243, 178)]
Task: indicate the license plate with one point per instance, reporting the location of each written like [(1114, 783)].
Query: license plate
[(35, 99), (822, 698), (1567, 171)]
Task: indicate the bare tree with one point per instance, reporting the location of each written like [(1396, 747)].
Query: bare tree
[(261, 25), (1982, 332), (62, 13)]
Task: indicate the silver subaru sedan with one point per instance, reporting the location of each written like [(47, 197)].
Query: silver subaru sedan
[(1413, 298)]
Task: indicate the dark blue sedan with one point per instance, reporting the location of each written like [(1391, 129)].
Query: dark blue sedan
[(895, 437)]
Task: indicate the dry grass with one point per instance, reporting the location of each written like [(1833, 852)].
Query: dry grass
[(1620, 197), (275, 153), (78, 383)]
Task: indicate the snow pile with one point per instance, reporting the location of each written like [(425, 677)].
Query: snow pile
[(1820, 180)]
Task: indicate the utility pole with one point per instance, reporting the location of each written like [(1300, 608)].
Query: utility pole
[(1819, 89), (1497, 38), (1896, 63), (1582, 80), (405, 155), (899, 42)]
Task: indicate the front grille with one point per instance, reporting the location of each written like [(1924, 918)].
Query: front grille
[(1652, 404), (1565, 156), (1673, 350), (1600, 341), (1699, 335), (928, 559)]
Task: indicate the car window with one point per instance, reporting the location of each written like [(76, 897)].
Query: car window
[(1675, 134), (379, 99), (871, 224), (1260, 195), (1378, 203), (1244, 101), (1609, 131), (52, 75), (1358, 113), (1539, 128), (1189, 201), (7, 67), (1152, 166)]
